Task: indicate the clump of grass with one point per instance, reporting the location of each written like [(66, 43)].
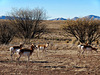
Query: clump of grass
[(77, 43), (67, 41), (74, 41)]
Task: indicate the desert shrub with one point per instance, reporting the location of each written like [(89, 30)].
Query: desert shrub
[(83, 29), (7, 33), (27, 22)]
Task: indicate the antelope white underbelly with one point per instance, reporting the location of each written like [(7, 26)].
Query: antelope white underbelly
[(82, 47), (26, 53), (17, 50), (79, 46), (88, 49), (14, 50), (41, 47), (11, 49)]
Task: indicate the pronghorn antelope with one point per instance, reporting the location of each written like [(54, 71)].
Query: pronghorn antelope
[(14, 49), (79, 46), (88, 48), (25, 51), (41, 47)]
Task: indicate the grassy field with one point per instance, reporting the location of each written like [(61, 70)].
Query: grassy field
[(60, 58)]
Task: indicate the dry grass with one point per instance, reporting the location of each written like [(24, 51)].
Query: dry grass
[(63, 61)]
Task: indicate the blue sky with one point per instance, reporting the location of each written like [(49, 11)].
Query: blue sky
[(55, 8)]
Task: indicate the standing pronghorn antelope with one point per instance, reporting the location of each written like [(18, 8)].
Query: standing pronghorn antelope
[(14, 49), (88, 48), (42, 47), (25, 51)]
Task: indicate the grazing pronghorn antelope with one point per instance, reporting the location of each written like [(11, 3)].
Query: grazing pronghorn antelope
[(25, 51), (85, 47), (14, 49), (88, 48)]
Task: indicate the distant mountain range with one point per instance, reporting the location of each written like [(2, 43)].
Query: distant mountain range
[(89, 16), (3, 17), (59, 19), (6, 17), (9, 17), (93, 16)]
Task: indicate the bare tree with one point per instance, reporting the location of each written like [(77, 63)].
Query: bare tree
[(84, 30), (7, 33), (27, 22)]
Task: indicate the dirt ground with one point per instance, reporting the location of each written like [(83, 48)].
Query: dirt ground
[(65, 61)]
